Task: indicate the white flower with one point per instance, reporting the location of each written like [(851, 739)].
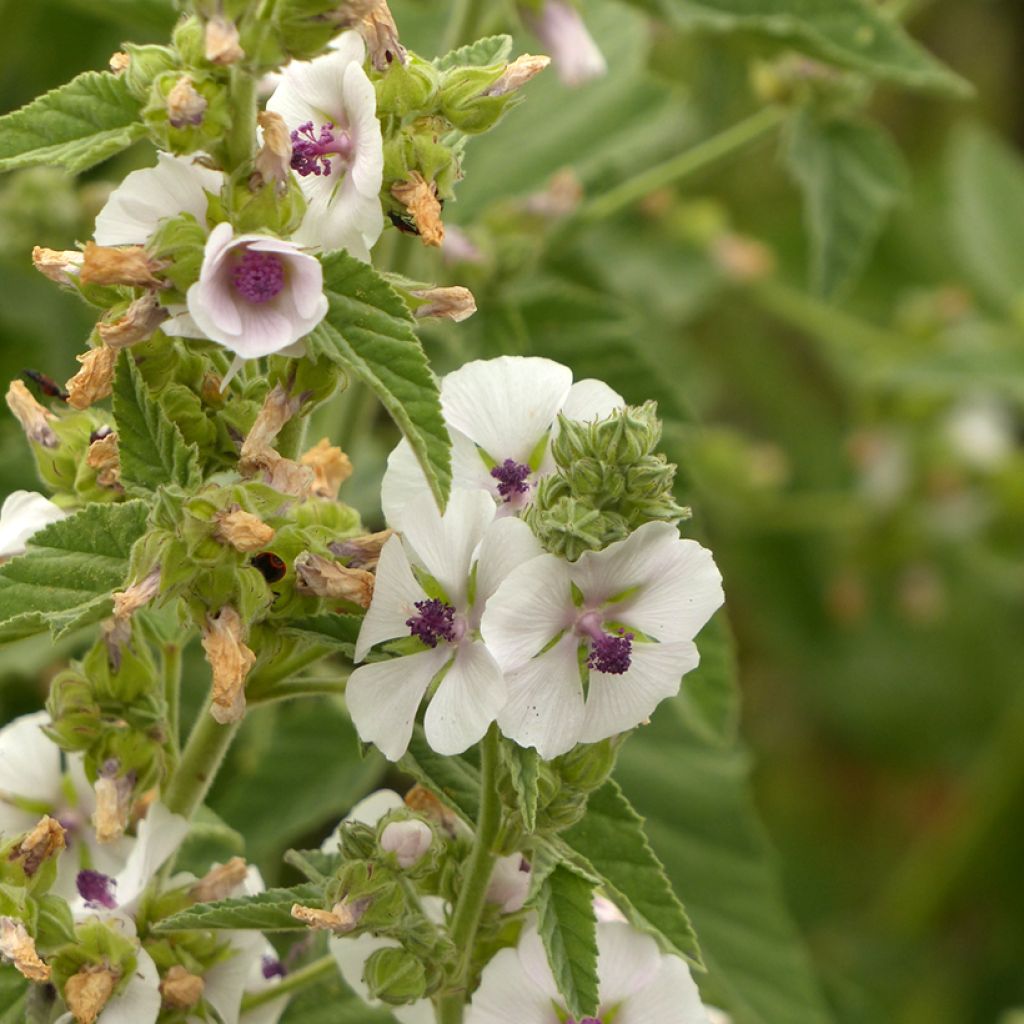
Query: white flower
[(982, 432), (174, 186), (560, 28), (409, 841), (501, 414), (330, 107), (637, 984), (509, 885), (23, 514), (256, 295), (466, 554), (631, 610)]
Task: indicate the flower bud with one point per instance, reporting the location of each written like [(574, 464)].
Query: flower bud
[(455, 304), (395, 976), (408, 89), (144, 64), (628, 434), (34, 419), (509, 885), (89, 991), (571, 443), (587, 766), (221, 42), (408, 840), (189, 39)]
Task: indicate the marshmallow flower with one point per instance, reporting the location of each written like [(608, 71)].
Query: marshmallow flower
[(23, 514), (637, 984), (432, 585), (137, 206), (256, 295), (574, 53), (625, 616), (501, 415), (330, 107)]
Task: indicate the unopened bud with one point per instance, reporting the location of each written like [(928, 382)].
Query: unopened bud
[(242, 530), (138, 595), (395, 976), (419, 197), (222, 41), (219, 882), (517, 74), (136, 324), (95, 380), (509, 885), (19, 947), (408, 840), (103, 456), (230, 659), (34, 419), (320, 577), (89, 991), (455, 303), (185, 106), (341, 918), (331, 468), (60, 266), (46, 840), (129, 265), (274, 160)]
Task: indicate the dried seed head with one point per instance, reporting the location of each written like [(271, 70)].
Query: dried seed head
[(455, 303), (517, 74), (95, 380), (34, 419), (278, 408), (59, 265), (258, 457), (19, 947), (219, 882), (230, 661), (46, 840), (321, 577), (119, 62), (138, 595), (362, 552), (113, 806), (222, 41), (242, 530), (380, 33), (331, 468), (419, 197), (89, 991), (180, 990), (341, 918), (185, 106), (136, 324), (104, 457), (129, 265), (274, 160)]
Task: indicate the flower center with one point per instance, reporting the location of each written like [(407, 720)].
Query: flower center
[(611, 653), (96, 888), (584, 1020), (435, 621), (271, 967), (311, 153), (259, 277), (511, 477)]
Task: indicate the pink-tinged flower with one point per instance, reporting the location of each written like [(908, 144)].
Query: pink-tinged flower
[(501, 415), (256, 295), (409, 841), (575, 55), (174, 186), (23, 514), (330, 108), (637, 984), (509, 885), (624, 617), (432, 585)]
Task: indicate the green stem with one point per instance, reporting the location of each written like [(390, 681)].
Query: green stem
[(294, 982), (200, 761), (290, 690), (171, 653), (240, 142), (470, 905), (700, 157)]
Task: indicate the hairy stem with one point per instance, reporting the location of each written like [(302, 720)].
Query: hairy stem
[(241, 139), (200, 761), (171, 655), (294, 982), (470, 905)]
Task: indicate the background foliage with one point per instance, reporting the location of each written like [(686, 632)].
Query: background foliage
[(872, 559)]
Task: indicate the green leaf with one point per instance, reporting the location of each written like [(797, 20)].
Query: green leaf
[(66, 577), (210, 840), (153, 452), (75, 127), (156, 16), (13, 993), (481, 54), (338, 631), (269, 911), (986, 209), (453, 779), (851, 33), (611, 839), (564, 901), (333, 1003), (524, 771), (852, 175), (369, 331), (316, 865)]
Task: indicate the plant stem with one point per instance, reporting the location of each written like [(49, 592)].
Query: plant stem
[(200, 760), (470, 905), (294, 982), (701, 156), (241, 140), (171, 652)]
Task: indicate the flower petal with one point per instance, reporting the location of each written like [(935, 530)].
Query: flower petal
[(360, 99), (671, 997), (533, 959), (383, 698), (139, 1001), (468, 699), (394, 598), (160, 834), (591, 400), (507, 544), (507, 995), (23, 514), (226, 981), (29, 768), (627, 961)]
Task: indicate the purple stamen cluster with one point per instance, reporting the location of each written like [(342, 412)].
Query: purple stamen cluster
[(435, 621), (612, 654), (584, 1020), (259, 277), (96, 888), (511, 477), (271, 967), (311, 152)]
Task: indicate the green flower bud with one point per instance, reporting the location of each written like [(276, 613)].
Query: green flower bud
[(179, 243), (568, 528), (463, 98), (572, 442), (98, 944), (189, 39), (187, 112), (395, 976), (407, 89), (651, 477), (145, 64), (628, 434), (372, 893), (587, 766), (268, 210)]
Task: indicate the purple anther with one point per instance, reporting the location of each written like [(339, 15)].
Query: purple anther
[(435, 621), (259, 277), (97, 889), (609, 652), (271, 967), (511, 477), (311, 153)]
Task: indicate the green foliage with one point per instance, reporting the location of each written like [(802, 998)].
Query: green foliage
[(452, 779), (852, 175), (337, 631), (369, 332), (269, 911), (334, 1003), (65, 578), (484, 52), (153, 452), (75, 127), (524, 772)]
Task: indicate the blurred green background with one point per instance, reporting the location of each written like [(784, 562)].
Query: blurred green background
[(855, 463)]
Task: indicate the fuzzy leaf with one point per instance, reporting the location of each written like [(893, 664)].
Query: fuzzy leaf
[(316, 865), (852, 175), (611, 839), (270, 911), (333, 1003), (153, 452), (524, 772), (75, 127), (453, 779), (66, 577), (481, 54), (564, 901), (338, 631), (369, 332)]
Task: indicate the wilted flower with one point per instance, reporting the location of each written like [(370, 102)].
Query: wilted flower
[(337, 149), (22, 515)]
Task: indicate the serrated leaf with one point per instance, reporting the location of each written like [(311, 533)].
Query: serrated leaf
[(66, 577), (481, 54), (153, 452), (524, 772), (339, 631), (611, 839), (369, 331), (851, 33), (269, 911), (452, 779), (79, 125), (316, 865), (852, 175), (564, 902)]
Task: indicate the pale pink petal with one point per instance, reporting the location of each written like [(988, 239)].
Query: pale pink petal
[(469, 697), (139, 1001), (394, 599), (360, 99), (591, 400), (533, 959), (507, 995), (671, 997), (627, 961)]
